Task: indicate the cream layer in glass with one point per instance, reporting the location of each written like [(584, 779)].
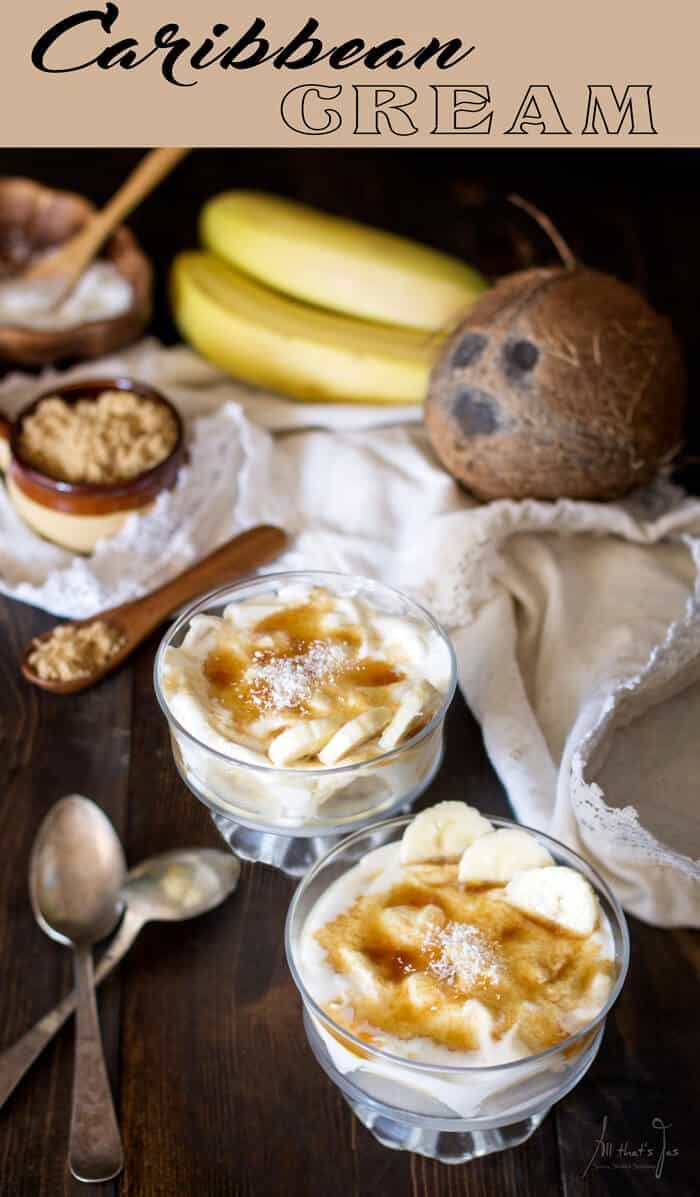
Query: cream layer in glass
[(309, 699)]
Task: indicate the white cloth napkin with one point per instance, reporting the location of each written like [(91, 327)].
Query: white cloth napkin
[(577, 625)]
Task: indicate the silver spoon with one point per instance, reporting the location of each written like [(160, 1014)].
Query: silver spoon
[(166, 888), (76, 873)]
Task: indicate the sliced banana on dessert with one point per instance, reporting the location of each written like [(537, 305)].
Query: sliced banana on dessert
[(354, 734), (480, 1018), (494, 858), (408, 926), (301, 741), (422, 992), (250, 612), (358, 968), (599, 989), (442, 832), (202, 634), (420, 701), (266, 725), (558, 895)]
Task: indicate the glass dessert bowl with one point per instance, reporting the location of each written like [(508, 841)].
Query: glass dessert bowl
[(455, 975), (301, 706)]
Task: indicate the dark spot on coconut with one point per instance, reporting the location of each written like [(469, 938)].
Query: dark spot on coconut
[(520, 358), (476, 413), (469, 350)]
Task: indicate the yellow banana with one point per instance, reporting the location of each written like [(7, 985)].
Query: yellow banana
[(338, 264), (274, 342)]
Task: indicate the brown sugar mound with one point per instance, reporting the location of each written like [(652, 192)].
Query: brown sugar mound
[(108, 439), (73, 651)]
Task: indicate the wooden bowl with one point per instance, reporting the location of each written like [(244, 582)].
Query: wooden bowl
[(33, 219), (76, 515)]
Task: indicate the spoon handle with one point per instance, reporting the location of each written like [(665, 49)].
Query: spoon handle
[(228, 563), (153, 167), (16, 1060), (95, 1149)]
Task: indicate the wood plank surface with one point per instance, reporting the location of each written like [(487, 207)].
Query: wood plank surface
[(216, 1091)]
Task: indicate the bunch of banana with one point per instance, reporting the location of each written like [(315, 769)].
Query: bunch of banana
[(316, 307)]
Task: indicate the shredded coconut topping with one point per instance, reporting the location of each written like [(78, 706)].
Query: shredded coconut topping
[(462, 956), (283, 682)]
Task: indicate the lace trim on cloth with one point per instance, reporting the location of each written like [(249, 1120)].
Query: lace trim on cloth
[(218, 493), (467, 543), (209, 503), (672, 666)]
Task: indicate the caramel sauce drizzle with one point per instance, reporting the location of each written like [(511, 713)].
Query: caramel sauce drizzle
[(522, 971), (320, 663)]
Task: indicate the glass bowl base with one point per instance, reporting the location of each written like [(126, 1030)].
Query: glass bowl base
[(293, 855), (449, 1147)]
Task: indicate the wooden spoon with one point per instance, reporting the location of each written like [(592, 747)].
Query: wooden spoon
[(137, 619), (66, 264)]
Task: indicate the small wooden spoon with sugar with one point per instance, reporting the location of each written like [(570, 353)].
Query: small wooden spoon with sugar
[(64, 266), (136, 620)]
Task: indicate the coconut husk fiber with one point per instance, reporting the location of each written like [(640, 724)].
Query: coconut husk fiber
[(560, 382)]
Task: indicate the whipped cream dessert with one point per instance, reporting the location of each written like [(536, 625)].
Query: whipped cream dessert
[(460, 945), (323, 691)]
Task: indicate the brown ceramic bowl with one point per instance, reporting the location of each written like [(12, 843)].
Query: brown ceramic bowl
[(76, 515), (34, 219)]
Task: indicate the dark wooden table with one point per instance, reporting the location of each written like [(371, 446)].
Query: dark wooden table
[(216, 1090)]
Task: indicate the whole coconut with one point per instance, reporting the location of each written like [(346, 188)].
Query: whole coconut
[(560, 382)]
